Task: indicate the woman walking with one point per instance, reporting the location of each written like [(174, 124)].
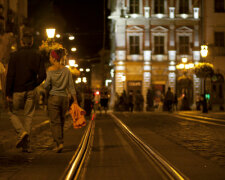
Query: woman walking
[(59, 82)]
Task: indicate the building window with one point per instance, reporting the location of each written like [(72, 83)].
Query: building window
[(184, 45), (134, 45), (219, 6), (183, 7), (134, 6), (219, 39), (159, 6), (159, 44)]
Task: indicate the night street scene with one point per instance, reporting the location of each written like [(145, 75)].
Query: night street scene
[(112, 89)]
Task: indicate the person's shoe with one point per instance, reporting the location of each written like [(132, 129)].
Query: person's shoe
[(21, 139), (58, 149), (26, 150)]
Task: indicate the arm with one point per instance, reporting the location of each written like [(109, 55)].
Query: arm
[(41, 73), (10, 77), (47, 84), (71, 88)]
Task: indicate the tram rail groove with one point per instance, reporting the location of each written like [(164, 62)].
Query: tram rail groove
[(75, 165), (167, 168), (201, 117)]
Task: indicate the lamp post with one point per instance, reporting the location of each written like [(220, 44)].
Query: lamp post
[(123, 80), (204, 53), (185, 66)]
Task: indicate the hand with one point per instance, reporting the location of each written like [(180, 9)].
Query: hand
[(9, 99)]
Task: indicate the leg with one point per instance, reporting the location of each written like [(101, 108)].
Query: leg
[(29, 110), (54, 115), (17, 99)]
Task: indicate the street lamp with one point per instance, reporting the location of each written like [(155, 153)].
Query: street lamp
[(204, 50), (72, 62), (73, 49), (50, 33), (71, 37), (123, 80)]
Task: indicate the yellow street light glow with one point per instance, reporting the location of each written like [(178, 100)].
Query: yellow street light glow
[(184, 60), (186, 66), (204, 50), (71, 38), (73, 49), (50, 32), (191, 65), (72, 62), (87, 70), (81, 69), (84, 79), (123, 78), (58, 35)]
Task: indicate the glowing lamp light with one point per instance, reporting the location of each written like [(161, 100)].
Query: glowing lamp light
[(81, 69), (123, 78), (73, 49), (84, 79), (72, 62), (78, 80), (97, 93), (58, 35), (50, 33), (76, 65), (184, 60), (71, 38), (204, 50), (87, 70)]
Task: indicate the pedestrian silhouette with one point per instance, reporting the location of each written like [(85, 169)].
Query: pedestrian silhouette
[(26, 71)]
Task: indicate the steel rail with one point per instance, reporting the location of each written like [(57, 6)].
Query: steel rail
[(168, 169), (73, 169), (201, 117), (198, 120)]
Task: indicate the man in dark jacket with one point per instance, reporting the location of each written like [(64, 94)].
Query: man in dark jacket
[(26, 71)]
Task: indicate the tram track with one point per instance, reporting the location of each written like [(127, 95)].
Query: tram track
[(165, 169), (201, 119), (169, 171)]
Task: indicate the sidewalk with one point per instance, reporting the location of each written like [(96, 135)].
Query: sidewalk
[(7, 134)]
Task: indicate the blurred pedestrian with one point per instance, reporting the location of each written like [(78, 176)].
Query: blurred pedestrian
[(175, 102), (59, 82), (131, 101), (88, 101), (139, 100), (25, 72), (204, 104), (104, 100), (2, 74), (169, 99)]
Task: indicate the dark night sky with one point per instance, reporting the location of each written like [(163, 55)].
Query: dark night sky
[(84, 18)]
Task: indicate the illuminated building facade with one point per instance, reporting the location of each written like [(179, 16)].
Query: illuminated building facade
[(149, 38)]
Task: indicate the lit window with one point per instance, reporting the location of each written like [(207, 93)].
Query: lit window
[(134, 45), (219, 39), (159, 44), (183, 8), (184, 45), (159, 7), (219, 6), (134, 6)]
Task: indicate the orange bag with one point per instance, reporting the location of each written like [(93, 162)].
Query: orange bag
[(77, 114)]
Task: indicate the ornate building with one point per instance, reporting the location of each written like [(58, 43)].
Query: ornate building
[(149, 38)]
